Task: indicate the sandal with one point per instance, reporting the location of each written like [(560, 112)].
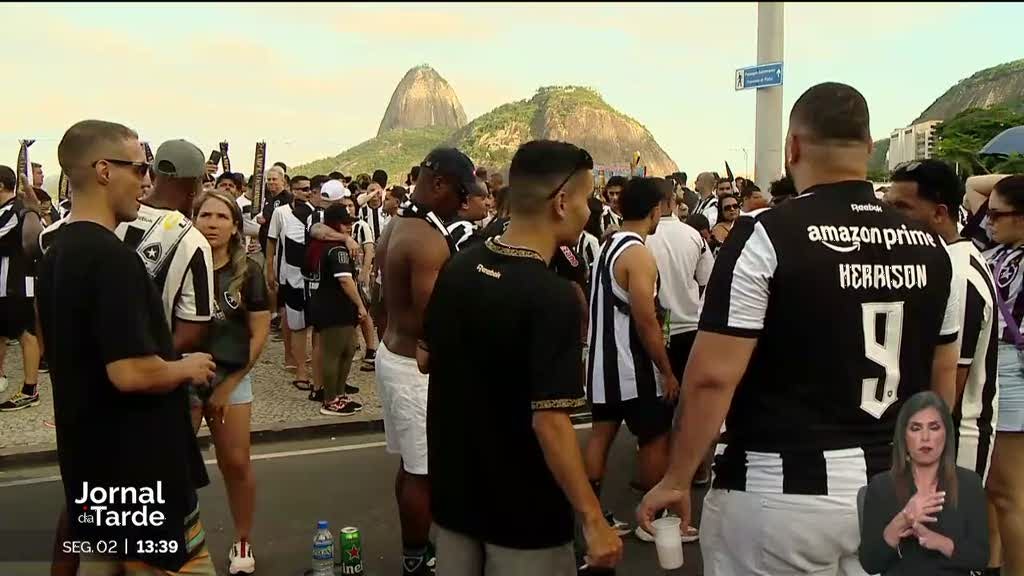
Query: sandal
[(303, 385)]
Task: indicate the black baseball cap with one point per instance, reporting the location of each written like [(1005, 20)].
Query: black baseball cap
[(452, 163)]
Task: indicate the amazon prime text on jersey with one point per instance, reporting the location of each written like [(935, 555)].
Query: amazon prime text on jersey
[(850, 238)]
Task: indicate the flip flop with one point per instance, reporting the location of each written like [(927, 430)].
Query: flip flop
[(305, 388)]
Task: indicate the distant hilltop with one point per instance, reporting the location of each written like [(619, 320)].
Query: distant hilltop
[(423, 99), (998, 85), (425, 112)]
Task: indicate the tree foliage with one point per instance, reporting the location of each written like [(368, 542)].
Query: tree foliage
[(963, 136)]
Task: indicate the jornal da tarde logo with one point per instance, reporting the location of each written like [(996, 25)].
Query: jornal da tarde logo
[(121, 505)]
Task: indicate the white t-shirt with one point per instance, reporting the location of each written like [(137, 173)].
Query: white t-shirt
[(684, 265)]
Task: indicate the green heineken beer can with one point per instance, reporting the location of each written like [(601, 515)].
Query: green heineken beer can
[(350, 546)]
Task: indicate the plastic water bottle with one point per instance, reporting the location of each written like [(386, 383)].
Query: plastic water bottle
[(323, 550)]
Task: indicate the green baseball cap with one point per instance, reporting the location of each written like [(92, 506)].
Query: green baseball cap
[(179, 159)]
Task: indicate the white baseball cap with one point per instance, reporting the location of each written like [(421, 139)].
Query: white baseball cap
[(334, 190)]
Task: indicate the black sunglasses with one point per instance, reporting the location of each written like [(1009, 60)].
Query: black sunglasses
[(583, 162), (141, 168)]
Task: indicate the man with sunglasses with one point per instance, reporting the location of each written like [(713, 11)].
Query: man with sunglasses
[(411, 251), (287, 238), (120, 393)]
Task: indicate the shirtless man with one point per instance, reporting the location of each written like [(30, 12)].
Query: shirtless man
[(412, 250)]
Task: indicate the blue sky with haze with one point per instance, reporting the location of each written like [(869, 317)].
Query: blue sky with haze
[(314, 79)]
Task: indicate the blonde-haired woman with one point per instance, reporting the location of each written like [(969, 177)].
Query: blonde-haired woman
[(241, 322)]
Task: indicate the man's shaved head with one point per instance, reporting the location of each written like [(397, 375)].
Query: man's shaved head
[(831, 112), (88, 141), (539, 168)]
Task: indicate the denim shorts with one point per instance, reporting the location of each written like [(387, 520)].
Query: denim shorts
[(1011, 390), (241, 395)]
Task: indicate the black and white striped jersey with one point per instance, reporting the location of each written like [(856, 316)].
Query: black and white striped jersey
[(709, 208), (847, 300), (1007, 265), (177, 257), (974, 417), (609, 219), (618, 366), (461, 231), (16, 279), (288, 227), (375, 217), (587, 247)]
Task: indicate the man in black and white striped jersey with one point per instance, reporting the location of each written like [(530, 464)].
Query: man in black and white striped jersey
[(17, 287), (930, 192), (286, 252), (611, 214), (867, 294), (629, 376), (472, 210)]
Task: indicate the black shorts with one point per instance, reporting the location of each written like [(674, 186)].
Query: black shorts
[(646, 418), (679, 346), (17, 316)]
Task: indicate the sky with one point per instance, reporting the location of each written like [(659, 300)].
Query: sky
[(314, 79)]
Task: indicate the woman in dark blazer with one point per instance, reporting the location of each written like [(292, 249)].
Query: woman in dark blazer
[(926, 515)]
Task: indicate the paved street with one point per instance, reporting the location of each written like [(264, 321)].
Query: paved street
[(277, 401), (347, 481)]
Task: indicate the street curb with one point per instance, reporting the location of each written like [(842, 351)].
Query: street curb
[(43, 454)]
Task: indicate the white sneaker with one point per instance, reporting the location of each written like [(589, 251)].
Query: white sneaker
[(3, 384), (241, 559)]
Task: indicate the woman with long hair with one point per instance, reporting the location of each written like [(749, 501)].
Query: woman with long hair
[(241, 322), (926, 515), (1005, 485)]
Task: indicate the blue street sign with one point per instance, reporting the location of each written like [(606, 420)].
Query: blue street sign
[(760, 76)]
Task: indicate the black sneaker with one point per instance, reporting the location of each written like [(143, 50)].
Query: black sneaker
[(44, 367), (19, 402), (317, 395), (351, 389), (275, 324)]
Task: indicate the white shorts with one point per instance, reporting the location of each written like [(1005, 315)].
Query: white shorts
[(779, 534), (403, 397)]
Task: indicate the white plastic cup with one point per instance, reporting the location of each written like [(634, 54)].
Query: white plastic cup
[(669, 542)]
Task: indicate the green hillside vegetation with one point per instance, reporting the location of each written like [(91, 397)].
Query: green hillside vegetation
[(492, 139), (1001, 85), (395, 151)]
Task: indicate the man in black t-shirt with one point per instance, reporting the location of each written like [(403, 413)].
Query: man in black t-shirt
[(506, 468), (120, 396), (867, 294)]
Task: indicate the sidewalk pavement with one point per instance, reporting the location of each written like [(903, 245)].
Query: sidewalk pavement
[(280, 411)]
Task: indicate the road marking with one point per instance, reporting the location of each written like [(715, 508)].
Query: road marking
[(254, 457), (30, 481)]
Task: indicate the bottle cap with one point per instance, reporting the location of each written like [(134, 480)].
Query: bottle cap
[(321, 525)]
